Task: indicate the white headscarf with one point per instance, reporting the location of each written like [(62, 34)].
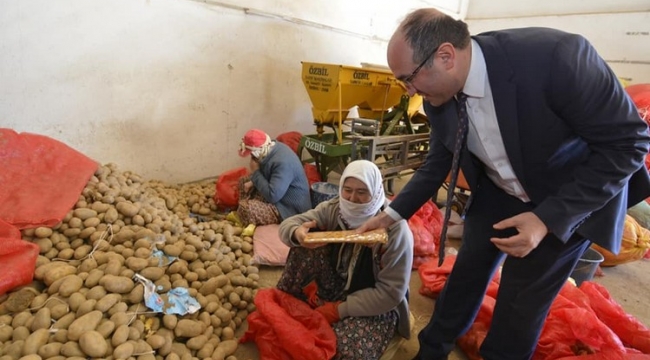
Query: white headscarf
[(368, 173)]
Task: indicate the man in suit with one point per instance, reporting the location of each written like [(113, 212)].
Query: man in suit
[(554, 157)]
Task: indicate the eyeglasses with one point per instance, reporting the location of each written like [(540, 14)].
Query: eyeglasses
[(410, 78)]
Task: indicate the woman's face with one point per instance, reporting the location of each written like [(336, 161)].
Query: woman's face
[(354, 190)]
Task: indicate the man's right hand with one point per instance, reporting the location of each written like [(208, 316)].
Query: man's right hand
[(381, 221)]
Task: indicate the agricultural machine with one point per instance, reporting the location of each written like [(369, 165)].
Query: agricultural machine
[(389, 129)]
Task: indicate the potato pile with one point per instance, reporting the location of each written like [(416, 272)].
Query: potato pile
[(85, 301)]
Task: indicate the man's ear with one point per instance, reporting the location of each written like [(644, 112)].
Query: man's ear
[(447, 53)]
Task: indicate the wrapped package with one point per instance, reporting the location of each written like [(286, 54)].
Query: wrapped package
[(348, 236)]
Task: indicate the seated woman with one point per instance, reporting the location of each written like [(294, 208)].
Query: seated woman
[(277, 187), (361, 290)]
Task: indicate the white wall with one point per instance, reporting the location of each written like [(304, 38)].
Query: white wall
[(619, 30), (167, 88)]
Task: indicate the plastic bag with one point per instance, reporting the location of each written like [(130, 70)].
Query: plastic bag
[(629, 329), (312, 174), (41, 179), (227, 194), (17, 258), (434, 277), (291, 139), (286, 328), (570, 329), (425, 225), (471, 341)]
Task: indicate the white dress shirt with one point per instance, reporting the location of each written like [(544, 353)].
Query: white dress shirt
[(484, 138)]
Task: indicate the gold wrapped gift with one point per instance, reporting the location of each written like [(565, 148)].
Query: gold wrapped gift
[(348, 236)]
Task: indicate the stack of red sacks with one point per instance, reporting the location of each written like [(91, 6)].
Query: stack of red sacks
[(583, 323), (426, 225)]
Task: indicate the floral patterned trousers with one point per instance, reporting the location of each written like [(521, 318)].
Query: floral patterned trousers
[(362, 338), (253, 209)]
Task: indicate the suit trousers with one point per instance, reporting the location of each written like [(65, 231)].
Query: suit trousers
[(527, 288)]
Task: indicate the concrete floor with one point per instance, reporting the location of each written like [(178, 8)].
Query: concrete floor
[(629, 285)]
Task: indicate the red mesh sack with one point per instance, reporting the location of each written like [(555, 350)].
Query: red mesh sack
[(471, 341), (630, 354), (629, 329), (312, 174), (17, 258), (572, 328), (640, 95), (434, 277), (286, 328), (226, 195), (425, 225), (40, 179), (291, 139)]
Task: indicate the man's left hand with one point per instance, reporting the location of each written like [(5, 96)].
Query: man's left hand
[(531, 232)]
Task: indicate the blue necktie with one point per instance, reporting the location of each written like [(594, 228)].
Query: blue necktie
[(461, 136)]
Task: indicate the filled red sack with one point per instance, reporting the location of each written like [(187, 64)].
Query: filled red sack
[(425, 225), (629, 329), (226, 195), (312, 174), (40, 179), (286, 328), (471, 341), (17, 258), (572, 326), (640, 95), (630, 354), (434, 277), (572, 329), (291, 139)]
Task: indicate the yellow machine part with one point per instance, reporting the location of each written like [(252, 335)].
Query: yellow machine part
[(334, 89)]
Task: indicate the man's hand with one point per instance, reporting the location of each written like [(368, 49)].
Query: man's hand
[(301, 233), (248, 186), (254, 164), (380, 221), (531, 232)]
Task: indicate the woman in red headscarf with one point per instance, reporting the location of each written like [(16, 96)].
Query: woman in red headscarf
[(277, 187)]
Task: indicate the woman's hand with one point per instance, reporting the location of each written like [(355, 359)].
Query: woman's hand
[(301, 233), (248, 186), (254, 164)]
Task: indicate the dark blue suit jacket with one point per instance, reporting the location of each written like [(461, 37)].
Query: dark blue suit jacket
[(574, 138)]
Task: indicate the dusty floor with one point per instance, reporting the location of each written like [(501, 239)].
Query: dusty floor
[(629, 285)]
